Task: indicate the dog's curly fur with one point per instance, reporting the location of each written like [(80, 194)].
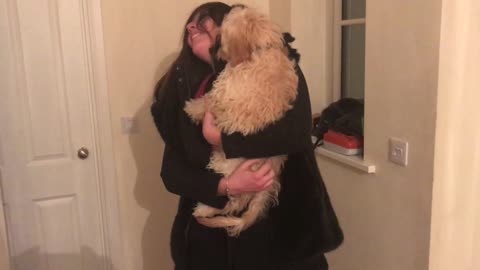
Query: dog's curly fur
[(256, 88)]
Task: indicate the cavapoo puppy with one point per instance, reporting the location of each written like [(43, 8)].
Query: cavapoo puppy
[(256, 89)]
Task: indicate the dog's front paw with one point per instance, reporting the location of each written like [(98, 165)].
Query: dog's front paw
[(203, 211), (195, 108)]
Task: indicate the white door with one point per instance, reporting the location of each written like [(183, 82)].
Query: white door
[(51, 195)]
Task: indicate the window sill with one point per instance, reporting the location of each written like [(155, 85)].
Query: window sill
[(353, 161)]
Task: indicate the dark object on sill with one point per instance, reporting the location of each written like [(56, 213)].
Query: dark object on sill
[(344, 116)]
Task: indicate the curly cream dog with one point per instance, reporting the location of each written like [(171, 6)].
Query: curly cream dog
[(256, 88)]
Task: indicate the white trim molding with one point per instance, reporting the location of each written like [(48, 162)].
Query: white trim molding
[(337, 50), (103, 138), (455, 229), (356, 162), (336, 38), (4, 251), (353, 22)]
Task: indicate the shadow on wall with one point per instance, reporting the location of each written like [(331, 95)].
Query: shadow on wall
[(34, 259), (150, 193)]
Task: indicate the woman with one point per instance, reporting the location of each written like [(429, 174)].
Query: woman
[(295, 234)]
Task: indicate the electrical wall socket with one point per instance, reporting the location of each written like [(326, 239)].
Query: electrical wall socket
[(398, 151)]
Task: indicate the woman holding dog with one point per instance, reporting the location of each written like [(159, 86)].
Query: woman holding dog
[(297, 232)]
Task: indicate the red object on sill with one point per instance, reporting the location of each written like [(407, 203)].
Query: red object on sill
[(337, 138)]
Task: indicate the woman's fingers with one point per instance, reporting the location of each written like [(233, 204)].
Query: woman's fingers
[(244, 180), (268, 184), (208, 118), (264, 169), (249, 162), (269, 176), (267, 180), (210, 132)]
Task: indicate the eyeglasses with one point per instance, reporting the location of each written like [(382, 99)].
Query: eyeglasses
[(199, 21)]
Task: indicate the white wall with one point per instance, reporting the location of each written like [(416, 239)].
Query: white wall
[(280, 13), (386, 216), (455, 236), (310, 23)]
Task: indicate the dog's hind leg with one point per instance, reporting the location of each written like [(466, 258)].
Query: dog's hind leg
[(221, 222), (202, 210), (237, 204), (256, 209)]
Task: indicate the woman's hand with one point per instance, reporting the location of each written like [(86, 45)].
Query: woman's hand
[(244, 180), (210, 132)]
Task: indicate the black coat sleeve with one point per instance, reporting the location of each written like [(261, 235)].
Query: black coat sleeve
[(184, 165), (186, 153), (182, 178), (290, 134)]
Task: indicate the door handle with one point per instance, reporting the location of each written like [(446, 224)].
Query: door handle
[(83, 153)]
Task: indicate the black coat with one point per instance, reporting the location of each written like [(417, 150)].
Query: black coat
[(296, 233)]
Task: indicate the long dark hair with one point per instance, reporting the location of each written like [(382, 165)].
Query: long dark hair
[(194, 68)]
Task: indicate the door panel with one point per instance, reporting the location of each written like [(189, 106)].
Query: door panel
[(52, 196)]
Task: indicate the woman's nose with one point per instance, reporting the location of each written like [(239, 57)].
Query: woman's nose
[(191, 26)]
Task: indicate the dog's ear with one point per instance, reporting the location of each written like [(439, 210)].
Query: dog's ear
[(234, 47), (245, 30), (261, 32)]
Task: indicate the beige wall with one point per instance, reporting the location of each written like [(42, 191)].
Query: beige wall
[(141, 40), (455, 236), (310, 22), (280, 13), (386, 216)]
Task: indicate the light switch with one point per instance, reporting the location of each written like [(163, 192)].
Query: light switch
[(398, 151), (129, 125)]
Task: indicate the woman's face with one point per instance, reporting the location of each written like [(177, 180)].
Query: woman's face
[(202, 36)]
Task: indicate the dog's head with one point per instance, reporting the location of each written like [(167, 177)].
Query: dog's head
[(245, 30)]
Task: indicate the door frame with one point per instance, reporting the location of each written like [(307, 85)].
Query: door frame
[(4, 248), (103, 137)]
